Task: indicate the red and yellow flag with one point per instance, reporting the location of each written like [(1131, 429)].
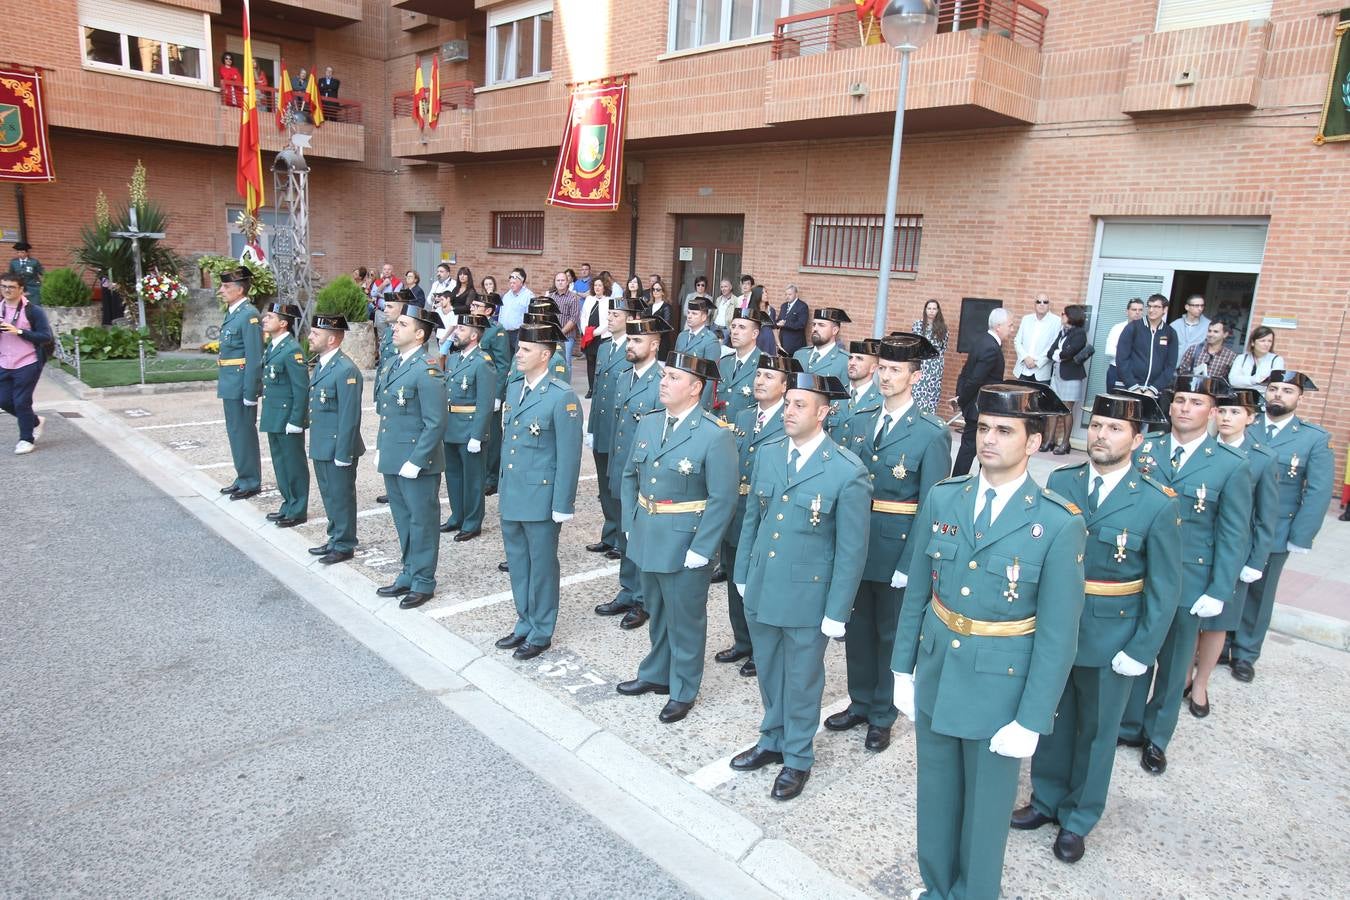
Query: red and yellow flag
[(282, 97), (434, 92), (249, 177), (312, 94), (419, 95)]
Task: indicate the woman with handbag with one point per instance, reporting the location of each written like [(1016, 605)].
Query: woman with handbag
[(1069, 355)]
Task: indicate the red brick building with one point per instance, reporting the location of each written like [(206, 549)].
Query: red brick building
[(1093, 151)]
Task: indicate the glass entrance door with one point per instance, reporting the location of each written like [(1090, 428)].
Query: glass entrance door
[(1114, 291), (709, 246)]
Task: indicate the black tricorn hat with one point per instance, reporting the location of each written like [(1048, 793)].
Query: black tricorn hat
[(289, 310), (831, 314), (701, 304), (758, 316), (1247, 397), (649, 325), (22, 245), (480, 322), (542, 305), (238, 273), (827, 385), (542, 318), (694, 365), (1127, 407), (1289, 376), (540, 333), (780, 362), (1210, 386), (329, 323), (491, 299), (867, 347), (1021, 399), (422, 316), (626, 304), (904, 346), (1150, 410), (403, 295)]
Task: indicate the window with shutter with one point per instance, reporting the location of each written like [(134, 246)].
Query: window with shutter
[(1174, 15), (146, 38)]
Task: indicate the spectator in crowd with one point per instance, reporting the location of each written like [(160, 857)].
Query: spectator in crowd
[(29, 270), (413, 282), (655, 280), (463, 293), (612, 288), (328, 90), (361, 275), (1134, 310), (661, 309), (515, 303), (726, 303), (490, 287), (572, 280), (700, 290), (24, 331), (1251, 369), (928, 389), (793, 319), (231, 81), (766, 342), (593, 323), (1068, 379), (749, 292), (444, 282), (569, 312), (1192, 326), (634, 291), (387, 283), (984, 365), (582, 283), (299, 99), (1034, 337), (260, 80), (1212, 357), (1146, 358)]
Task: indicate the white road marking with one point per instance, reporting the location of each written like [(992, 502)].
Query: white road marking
[(179, 425), (719, 772), (444, 612)]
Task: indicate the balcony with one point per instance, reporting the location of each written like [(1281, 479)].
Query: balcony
[(453, 128), (1196, 68), (441, 9), (319, 13), (342, 135)]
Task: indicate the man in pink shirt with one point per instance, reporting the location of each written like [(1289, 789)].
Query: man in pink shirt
[(23, 331)]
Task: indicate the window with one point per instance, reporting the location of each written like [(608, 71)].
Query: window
[(1173, 15), (700, 23), (266, 56), (268, 216), (169, 42), (520, 41), (854, 242), (518, 231)]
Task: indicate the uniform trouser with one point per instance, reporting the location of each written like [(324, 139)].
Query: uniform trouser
[(16, 396), (1071, 771), (493, 449), (965, 456), (965, 798), (740, 628), (1251, 634), (464, 474), (790, 664), (1154, 718), (868, 644), (416, 507), (630, 579), (609, 504), (241, 427), (532, 556), (337, 487), (678, 605), (291, 469)]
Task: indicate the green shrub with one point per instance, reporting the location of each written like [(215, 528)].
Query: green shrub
[(343, 297), (264, 281), (62, 287), (113, 342)]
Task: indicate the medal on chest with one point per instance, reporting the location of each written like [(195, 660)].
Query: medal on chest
[(534, 428), (899, 470), (746, 390), (1293, 466), (323, 395), (815, 511), (1014, 573), (1200, 499), (402, 400), (464, 382), (1120, 544), (272, 372), (685, 466)]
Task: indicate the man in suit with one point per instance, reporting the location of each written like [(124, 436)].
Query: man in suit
[(494, 342), (739, 368), (240, 381), (793, 317), (541, 458), (285, 400), (1303, 478), (905, 451), (1213, 484), (1146, 357), (1132, 566), (804, 544), (984, 365), (328, 85), (678, 498), (988, 631), (699, 340), (471, 383), (410, 453), (756, 428), (611, 367), (863, 396), (335, 443)]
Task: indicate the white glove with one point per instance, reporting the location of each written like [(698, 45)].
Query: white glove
[(561, 517), (590, 440), (1207, 607), (341, 465), (693, 560), (1295, 548), (475, 445), (496, 406), (408, 470), (1123, 664), (904, 694), (1248, 575), (740, 589), (294, 429), (1014, 740), (899, 579), (830, 628), (250, 402)]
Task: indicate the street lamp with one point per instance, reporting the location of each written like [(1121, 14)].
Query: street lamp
[(906, 25)]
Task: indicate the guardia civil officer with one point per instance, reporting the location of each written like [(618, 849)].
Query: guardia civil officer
[(697, 339), (611, 365), (905, 451), (679, 491), (1132, 565), (240, 381), (543, 311), (410, 452), (335, 443), (471, 384), (739, 369), (988, 632), (285, 402), (864, 398), (498, 346), (825, 356), (395, 304)]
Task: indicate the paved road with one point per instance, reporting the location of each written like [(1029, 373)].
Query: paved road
[(175, 722)]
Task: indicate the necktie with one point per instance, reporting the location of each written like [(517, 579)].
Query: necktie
[(1270, 433), (1095, 494), (525, 393), (736, 371), (986, 516), (792, 461), (759, 420), (671, 422), (1176, 458), (881, 432), (815, 358)]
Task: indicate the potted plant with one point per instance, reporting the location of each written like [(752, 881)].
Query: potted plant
[(343, 297), (68, 301)]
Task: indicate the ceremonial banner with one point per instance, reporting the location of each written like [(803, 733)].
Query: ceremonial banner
[(1335, 125), (589, 174), (24, 152)]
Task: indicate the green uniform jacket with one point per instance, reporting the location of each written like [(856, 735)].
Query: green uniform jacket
[(1265, 501), (738, 391), (412, 415), (847, 411), (706, 345), (285, 387), (697, 462), (541, 451), (1143, 514), (833, 363), (634, 400), (807, 536), (1303, 475), (470, 382), (611, 365), (335, 411), (971, 686), (1214, 533), (241, 338), (749, 442), (494, 342)]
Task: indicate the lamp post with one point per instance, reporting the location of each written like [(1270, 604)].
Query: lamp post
[(906, 25)]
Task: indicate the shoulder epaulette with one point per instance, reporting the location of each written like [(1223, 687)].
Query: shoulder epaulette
[(432, 370), (1167, 491), (932, 419), (957, 479), (720, 423), (486, 355), (299, 357), (562, 384), (253, 320), (652, 412), (1069, 467), (1233, 450), (1314, 426), (1057, 499)]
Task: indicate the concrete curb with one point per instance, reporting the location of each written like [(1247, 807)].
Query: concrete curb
[(78, 388)]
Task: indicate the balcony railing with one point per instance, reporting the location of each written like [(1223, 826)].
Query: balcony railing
[(335, 109), (454, 95), (838, 28)]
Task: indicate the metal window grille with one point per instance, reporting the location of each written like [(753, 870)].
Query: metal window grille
[(854, 242), (518, 231)]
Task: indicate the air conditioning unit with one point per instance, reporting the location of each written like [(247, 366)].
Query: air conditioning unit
[(455, 51)]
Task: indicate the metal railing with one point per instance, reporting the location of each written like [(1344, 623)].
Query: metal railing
[(838, 28), (335, 109), (454, 95)]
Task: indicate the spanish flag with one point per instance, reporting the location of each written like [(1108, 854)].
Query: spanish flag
[(282, 97), (434, 92), (248, 179), (312, 94), (419, 96)]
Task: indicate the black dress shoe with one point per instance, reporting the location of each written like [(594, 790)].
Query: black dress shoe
[(510, 642), (291, 523), (503, 567), (613, 553), (719, 575), (843, 721), (1129, 742), (1198, 710), (1062, 450), (489, 491), (274, 516), (382, 498), (748, 669), (1029, 818), (1047, 448), (1242, 670), (612, 608), (674, 711), (467, 535), (755, 758), (878, 738), (392, 590), (446, 528), (588, 394), (731, 655), (229, 489), (244, 495), (1345, 516), (414, 599), (321, 550), (789, 783), (336, 556), (529, 651), (637, 687), (1068, 846), (598, 547), (1154, 759), (634, 618)]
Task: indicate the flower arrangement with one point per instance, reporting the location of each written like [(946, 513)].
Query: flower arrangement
[(211, 347), (159, 288)]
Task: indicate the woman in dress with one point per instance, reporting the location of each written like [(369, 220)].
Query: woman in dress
[(1069, 355), (463, 293), (661, 309), (767, 342), (932, 326), (1251, 369), (231, 80)]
